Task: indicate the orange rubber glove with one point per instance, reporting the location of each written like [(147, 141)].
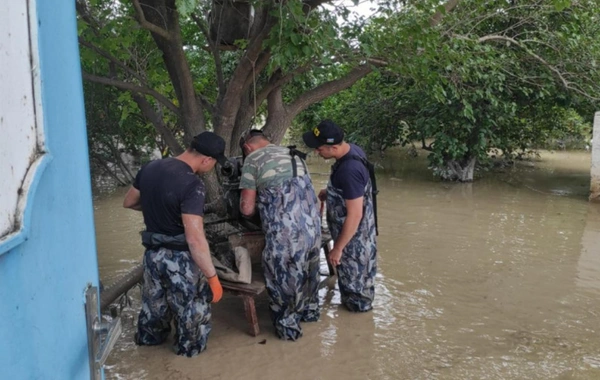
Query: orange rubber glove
[(216, 288)]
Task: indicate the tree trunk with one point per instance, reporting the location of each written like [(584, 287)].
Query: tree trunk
[(163, 14), (214, 193), (278, 120), (460, 170), (243, 121)]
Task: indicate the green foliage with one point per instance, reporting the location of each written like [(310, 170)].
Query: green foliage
[(559, 5), (301, 38), (186, 7), (114, 132), (490, 76), (373, 122)]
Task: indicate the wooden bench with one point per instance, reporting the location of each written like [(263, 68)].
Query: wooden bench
[(247, 292), (254, 243)]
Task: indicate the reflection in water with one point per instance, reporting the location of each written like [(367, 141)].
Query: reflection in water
[(499, 279), (588, 269)]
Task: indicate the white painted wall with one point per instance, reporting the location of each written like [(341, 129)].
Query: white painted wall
[(21, 143), (595, 171)]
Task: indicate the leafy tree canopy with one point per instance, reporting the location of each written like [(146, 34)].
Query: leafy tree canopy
[(491, 74), (463, 74)]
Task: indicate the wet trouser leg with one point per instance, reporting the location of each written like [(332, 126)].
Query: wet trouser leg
[(358, 265), (356, 276), (154, 321), (290, 259), (283, 281), (174, 286), (189, 298), (311, 309)]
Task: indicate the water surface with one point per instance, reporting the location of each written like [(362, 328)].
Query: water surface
[(499, 279)]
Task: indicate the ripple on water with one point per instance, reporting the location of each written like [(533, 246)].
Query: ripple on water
[(499, 279)]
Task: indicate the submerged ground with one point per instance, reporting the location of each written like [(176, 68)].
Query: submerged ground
[(499, 279)]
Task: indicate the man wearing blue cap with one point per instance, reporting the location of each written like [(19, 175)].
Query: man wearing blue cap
[(180, 280), (350, 215)]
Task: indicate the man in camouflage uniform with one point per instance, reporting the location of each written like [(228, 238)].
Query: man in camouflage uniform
[(350, 215), (276, 180), (180, 280)]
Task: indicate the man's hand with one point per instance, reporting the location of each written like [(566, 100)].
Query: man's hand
[(323, 195), (216, 288), (335, 256)]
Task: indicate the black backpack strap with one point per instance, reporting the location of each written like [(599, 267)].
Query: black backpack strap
[(295, 152), (374, 191)]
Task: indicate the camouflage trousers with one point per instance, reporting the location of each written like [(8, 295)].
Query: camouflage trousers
[(174, 289), (290, 259), (358, 266)]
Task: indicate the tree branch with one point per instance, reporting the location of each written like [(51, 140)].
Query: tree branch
[(112, 59), (84, 13), (133, 88), (437, 17), (566, 83), (279, 81), (329, 88), (148, 25), (534, 55), (309, 5), (101, 162), (206, 104), (215, 52), (230, 104), (156, 119)]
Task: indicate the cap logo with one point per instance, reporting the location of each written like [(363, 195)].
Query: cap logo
[(316, 132), (330, 140)]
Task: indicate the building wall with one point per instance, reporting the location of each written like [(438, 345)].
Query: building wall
[(595, 170), (50, 256)]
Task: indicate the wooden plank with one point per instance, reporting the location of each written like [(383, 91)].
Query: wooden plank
[(254, 242), (254, 288), (325, 245), (251, 317)]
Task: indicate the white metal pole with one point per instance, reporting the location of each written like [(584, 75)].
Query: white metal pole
[(595, 171)]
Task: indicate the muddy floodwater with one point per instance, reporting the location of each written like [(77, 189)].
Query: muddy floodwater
[(499, 279)]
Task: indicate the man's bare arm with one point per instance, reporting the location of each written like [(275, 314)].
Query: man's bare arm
[(132, 199), (248, 202), (196, 239)]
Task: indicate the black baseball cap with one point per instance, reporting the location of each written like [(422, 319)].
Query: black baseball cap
[(326, 133), (211, 145)]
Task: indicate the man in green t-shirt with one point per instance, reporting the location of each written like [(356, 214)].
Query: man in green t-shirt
[(276, 181)]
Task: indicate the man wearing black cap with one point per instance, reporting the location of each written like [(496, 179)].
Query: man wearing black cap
[(275, 180), (180, 280), (350, 215)]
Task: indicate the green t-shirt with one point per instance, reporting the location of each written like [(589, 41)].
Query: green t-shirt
[(269, 167)]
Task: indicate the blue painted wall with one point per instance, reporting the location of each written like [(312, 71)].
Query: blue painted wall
[(42, 281)]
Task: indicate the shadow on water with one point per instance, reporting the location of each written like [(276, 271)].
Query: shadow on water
[(499, 279)]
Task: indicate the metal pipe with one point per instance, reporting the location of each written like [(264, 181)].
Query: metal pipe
[(121, 285)]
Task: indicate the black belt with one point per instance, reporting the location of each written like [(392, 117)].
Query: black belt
[(152, 240), (173, 247)]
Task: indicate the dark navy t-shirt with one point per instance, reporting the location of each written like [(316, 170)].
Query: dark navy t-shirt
[(169, 188), (351, 175)]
